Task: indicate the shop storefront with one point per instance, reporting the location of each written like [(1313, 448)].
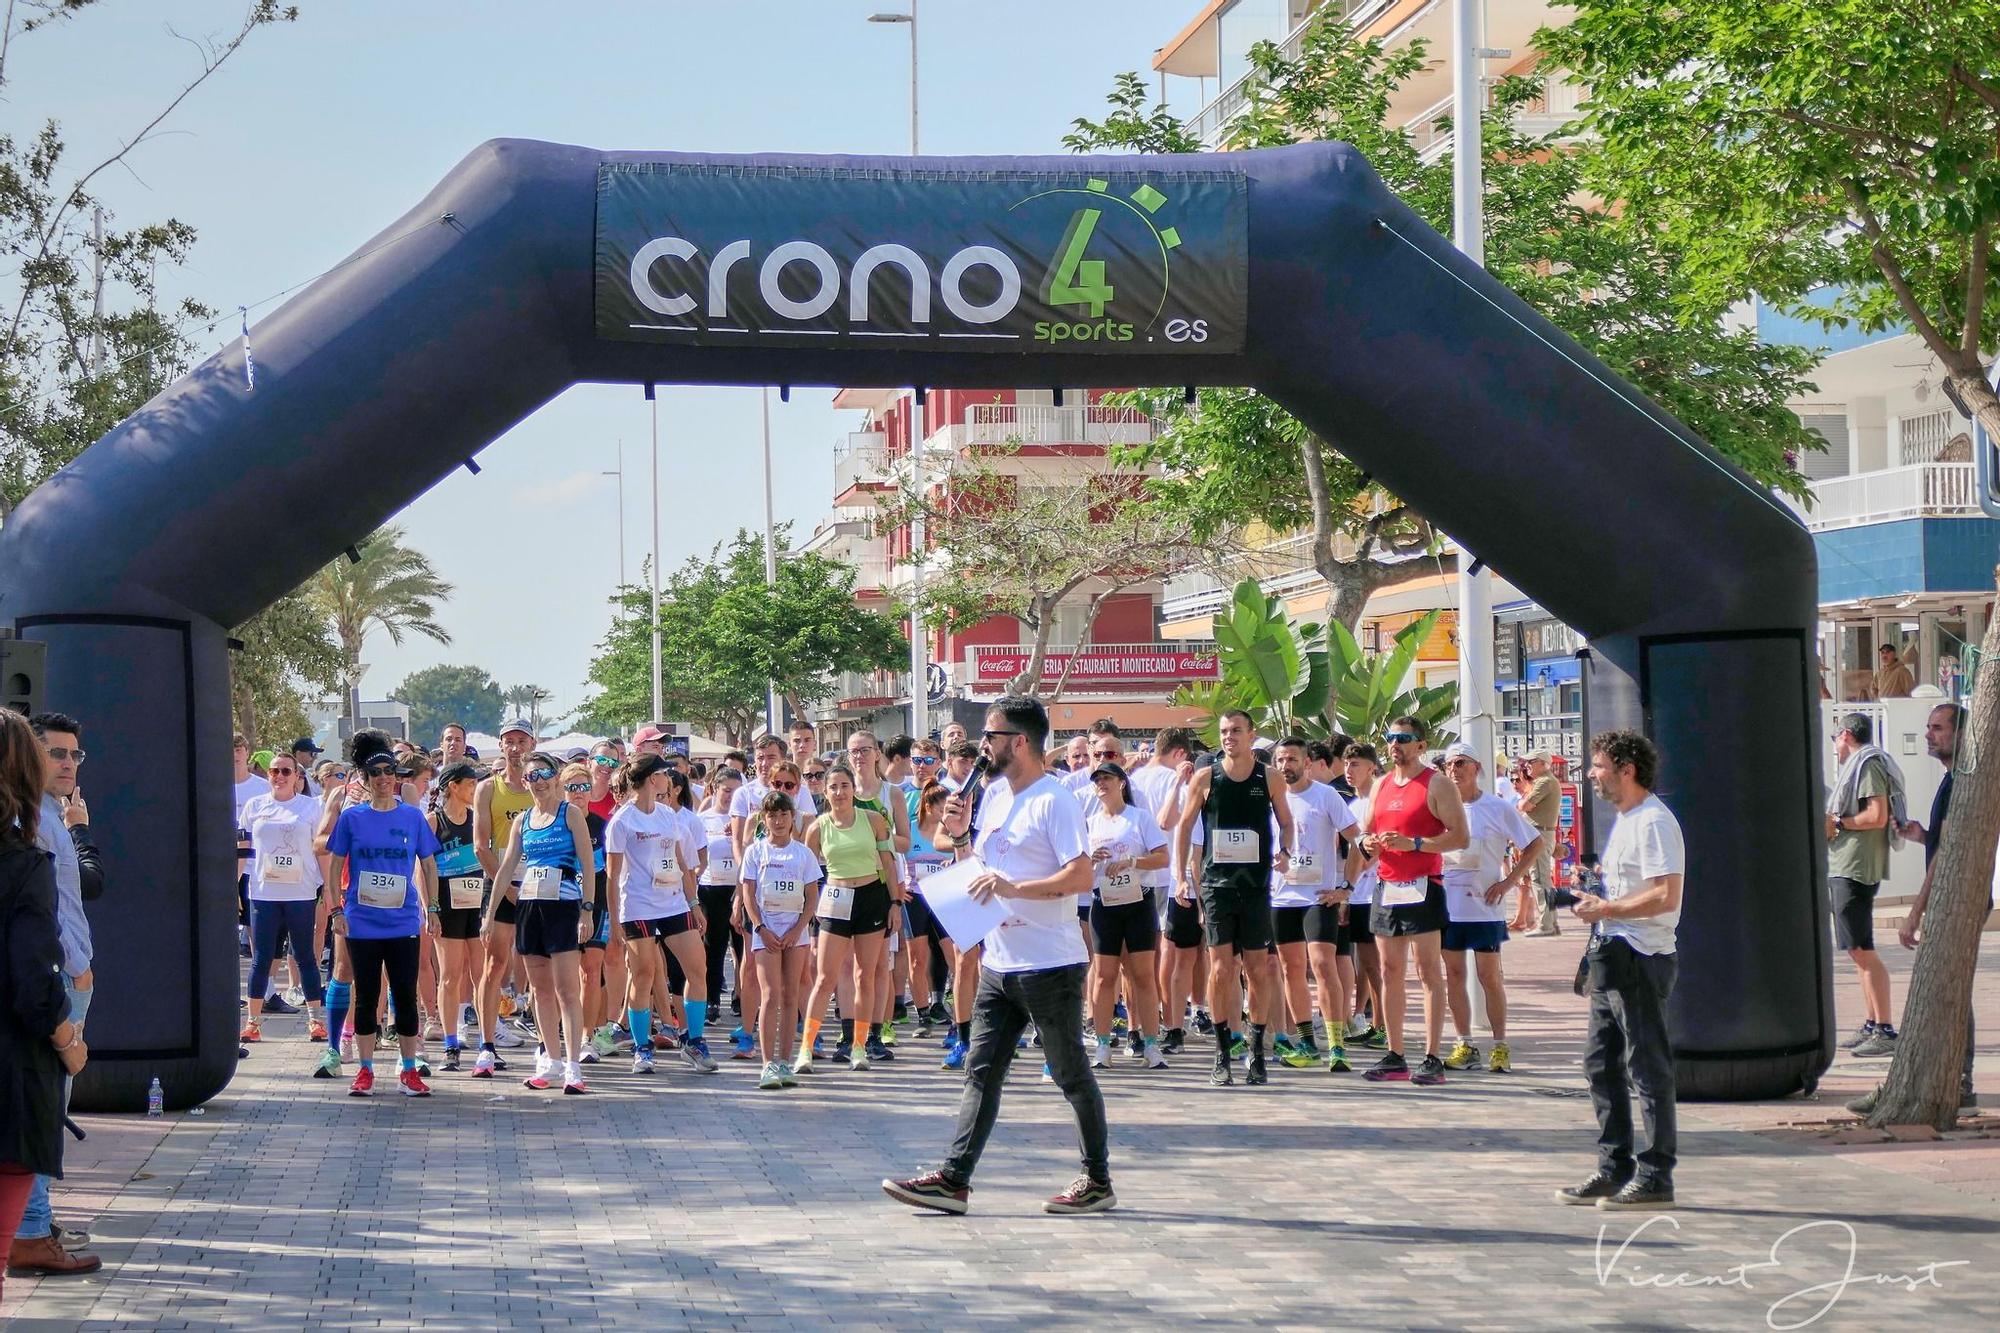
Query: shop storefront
[(1540, 682)]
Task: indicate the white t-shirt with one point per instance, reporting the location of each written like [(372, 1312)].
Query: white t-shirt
[(1077, 780), (250, 786), (1150, 786), (783, 876), (1319, 817), (1364, 883), (1129, 834), (749, 796), (720, 872), (1469, 872), (1032, 834), (1645, 843), (697, 833), (645, 839), (283, 868)]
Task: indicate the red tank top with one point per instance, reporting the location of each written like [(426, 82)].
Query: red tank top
[(1406, 808)]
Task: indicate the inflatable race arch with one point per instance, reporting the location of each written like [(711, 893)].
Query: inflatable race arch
[(534, 266)]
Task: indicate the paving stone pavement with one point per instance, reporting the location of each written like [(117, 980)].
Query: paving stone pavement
[(680, 1200)]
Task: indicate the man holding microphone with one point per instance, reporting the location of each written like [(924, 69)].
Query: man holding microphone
[(1030, 838)]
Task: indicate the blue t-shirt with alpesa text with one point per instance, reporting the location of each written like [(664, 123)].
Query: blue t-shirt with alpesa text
[(382, 848)]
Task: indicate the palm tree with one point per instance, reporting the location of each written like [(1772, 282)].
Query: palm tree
[(529, 698), (391, 588)]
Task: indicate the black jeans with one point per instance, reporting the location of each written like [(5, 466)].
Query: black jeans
[(1053, 999), (1628, 1030), (371, 958), (718, 938)]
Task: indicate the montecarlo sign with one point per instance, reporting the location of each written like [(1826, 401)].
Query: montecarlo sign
[(989, 261)]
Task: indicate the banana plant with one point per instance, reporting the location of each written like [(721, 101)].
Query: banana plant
[(1367, 693)]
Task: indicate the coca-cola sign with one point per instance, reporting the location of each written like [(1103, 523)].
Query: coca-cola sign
[(1132, 662)]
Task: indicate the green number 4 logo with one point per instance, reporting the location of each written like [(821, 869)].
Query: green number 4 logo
[(1077, 281)]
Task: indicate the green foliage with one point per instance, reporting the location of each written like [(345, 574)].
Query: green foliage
[(724, 633), (440, 695), (1841, 159), (1311, 679), (289, 657), (1621, 290), (393, 588)]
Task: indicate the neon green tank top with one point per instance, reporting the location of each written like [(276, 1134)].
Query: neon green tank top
[(849, 853), (508, 803)]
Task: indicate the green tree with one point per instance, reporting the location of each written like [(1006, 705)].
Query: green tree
[(73, 365), (1239, 458), (288, 659), (528, 699), (1840, 160), (391, 588), (724, 633), (440, 695)]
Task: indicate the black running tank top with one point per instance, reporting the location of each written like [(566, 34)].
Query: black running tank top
[(1232, 810)]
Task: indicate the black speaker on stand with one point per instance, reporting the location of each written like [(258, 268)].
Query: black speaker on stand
[(23, 674)]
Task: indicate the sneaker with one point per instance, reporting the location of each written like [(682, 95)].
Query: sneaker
[(1501, 1061), (1600, 1186), (588, 1055), (451, 1059), (1429, 1071), (744, 1047), (1301, 1055), (1034, 1036), (886, 1034), (573, 1084), (348, 1054), (482, 1065), (1336, 1061), (1861, 1034), (1100, 1056), (1048, 1074), (1881, 1042), (858, 1062), (930, 1190), (251, 1032), (432, 1030), (955, 1057), (1282, 1043), (316, 1031), (805, 1063), (506, 1037), (666, 1039), (771, 1079), (364, 1083), (1391, 1068), (1375, 1039), (695, 1054), (1153, 1056), (329, 1064), (1463, 1055), (539, 1081), (1203, 1024), (1254, 1074), (642, 1060), (1221, 1076), (1640, 1196), (276, 1005), (788, 1074), (605, 1040), (1865, 1103), (1174, 1042), (1239, 1048), (1137, 1046), (71, 1239), (1084, 1195), (423, 1066), (413, 1084), (878, 1050)]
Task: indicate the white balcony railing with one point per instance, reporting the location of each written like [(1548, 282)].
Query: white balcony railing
[(1431, 129), (1029, 423), (860, 459), (1923, 438), (1212, 119), (1929, 490), (850, 687)]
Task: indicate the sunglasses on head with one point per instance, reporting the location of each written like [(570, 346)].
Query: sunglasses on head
[(540, 774), (1400, 737)]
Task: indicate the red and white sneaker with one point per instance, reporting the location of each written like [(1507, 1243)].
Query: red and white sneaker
[(364, 1083), (539, 1081), (413, 1086), (483, 1065), (317, 1032), (573, 1084)]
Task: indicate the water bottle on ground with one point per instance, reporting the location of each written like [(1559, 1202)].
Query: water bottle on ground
[(155, 1099)]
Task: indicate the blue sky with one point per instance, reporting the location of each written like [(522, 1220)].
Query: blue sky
[(319, 133)]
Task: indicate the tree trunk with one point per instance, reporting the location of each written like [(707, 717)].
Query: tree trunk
[(1030, 680), (1924, 1078), (1090, 611), (1349, 583)]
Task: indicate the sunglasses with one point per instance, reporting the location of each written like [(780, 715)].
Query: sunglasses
[(924, 761), (1400, 737), (539, 774), (989, 734), (818, 776), (337, 775), (604, 761), (282, 772), (785, 786), (60, 754), (1111, 755), (576, 786), (378, 770)]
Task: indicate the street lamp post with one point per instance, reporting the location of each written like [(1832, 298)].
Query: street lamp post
[(619, 472), (920, 658)]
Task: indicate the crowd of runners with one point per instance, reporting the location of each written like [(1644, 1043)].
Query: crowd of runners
[(531, 914)]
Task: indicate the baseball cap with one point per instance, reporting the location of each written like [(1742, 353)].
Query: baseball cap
[(1460, 750), (1107, 769), (1544, 754), (520, 724), (649, 733), (574, 753), (263, 758), (459, 771), (305, 743)]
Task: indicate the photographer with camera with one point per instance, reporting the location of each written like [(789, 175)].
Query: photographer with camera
[(1632, 968)]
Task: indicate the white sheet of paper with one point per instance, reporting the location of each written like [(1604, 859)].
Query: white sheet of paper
[(967, 922)]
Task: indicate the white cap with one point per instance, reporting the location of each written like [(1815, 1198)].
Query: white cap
[(1459, 750)]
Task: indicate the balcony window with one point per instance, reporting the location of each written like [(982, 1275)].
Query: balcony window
[(1244, 24)]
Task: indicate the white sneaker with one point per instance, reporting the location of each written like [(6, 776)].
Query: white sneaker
[(589, 1056), (505, 1037), (859, 1060), (483, 1066), (1154, 1060), (543, 1065), (772, 1077), (1100, 1057), (642, 1061)]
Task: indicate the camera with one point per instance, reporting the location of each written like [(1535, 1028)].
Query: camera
[(1591, 884)]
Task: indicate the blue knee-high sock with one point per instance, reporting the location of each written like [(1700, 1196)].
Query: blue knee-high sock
[(339, 997), (697, 1012), (642, 1028)]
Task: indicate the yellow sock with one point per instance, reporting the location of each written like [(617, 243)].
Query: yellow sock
[(812, 1033)]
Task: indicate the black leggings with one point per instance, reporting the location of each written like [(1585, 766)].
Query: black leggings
[(717, 936), (369, 958)]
